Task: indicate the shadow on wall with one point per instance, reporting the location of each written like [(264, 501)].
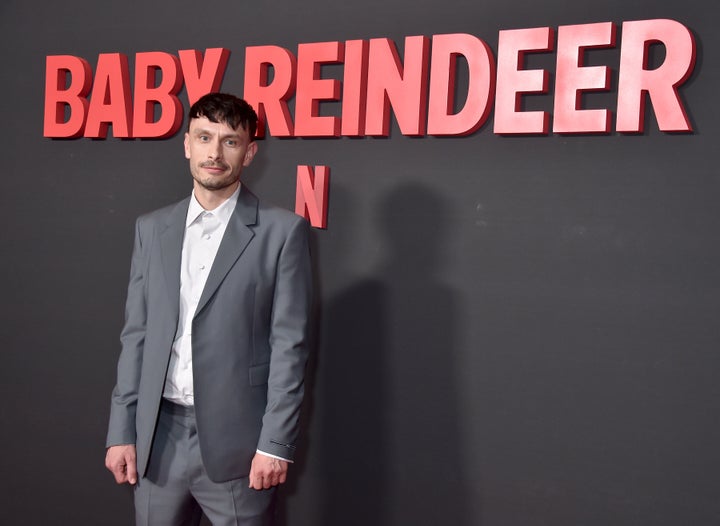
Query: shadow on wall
[(429, 484), (391, 448)]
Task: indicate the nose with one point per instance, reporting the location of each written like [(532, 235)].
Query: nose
[(215, 150)]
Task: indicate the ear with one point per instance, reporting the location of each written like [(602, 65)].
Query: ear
[(250, 153), (187, 146)]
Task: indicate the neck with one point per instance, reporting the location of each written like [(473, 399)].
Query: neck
[(210, 199)]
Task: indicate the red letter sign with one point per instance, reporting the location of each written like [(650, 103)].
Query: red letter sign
[(58, 95), (311, 196), (203, 76), (660, 83), (354, 88), (147, 95), (403, 87), (512, 81), (481, 81), (270, 100), (311, 89), (111, 100), (572, 78)]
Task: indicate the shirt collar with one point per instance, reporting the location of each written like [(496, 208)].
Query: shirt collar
[(222, 212)]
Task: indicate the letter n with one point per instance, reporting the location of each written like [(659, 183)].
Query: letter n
[(311, 198)]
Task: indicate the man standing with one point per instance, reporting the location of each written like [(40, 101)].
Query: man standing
[(204, 415)]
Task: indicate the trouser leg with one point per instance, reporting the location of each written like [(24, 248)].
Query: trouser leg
[(176, 488), (162, 497)]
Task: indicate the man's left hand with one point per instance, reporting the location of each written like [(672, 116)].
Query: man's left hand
[(266, 472)]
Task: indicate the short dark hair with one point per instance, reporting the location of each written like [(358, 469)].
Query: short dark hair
[(226, 108)]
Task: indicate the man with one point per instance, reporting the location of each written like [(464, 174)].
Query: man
[(204, 415)]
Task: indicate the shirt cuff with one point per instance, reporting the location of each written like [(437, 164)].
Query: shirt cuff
[(273, 456)]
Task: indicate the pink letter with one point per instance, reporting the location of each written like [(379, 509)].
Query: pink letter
[(111, 101), (147, 95), (58, 95), (512, 81), (270, 100), (481, 82), (311, 197), (403, 88), (354, 88), (660, 83), (311, 89), (572, 78), (203, 76)]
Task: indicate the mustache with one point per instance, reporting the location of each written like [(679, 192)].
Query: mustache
[(214, 164)]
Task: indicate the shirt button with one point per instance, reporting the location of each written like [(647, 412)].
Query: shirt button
[(207, 236)]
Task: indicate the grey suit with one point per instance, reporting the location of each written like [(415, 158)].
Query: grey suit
[(249, 336)]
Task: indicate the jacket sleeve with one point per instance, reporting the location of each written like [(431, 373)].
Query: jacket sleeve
[(292, 304), (121, 428)]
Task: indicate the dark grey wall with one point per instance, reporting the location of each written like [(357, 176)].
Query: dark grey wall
[(513, 331)]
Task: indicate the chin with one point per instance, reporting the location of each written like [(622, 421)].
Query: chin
[(217, 185)]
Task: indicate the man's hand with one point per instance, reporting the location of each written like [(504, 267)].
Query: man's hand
[(120, 460), (266, 472)]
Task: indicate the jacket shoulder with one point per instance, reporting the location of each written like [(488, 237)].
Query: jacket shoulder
[(276, 214), (160, 216)]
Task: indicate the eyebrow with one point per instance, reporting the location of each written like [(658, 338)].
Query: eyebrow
[(202, 131)]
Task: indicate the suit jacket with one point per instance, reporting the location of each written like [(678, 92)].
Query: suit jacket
[(249, 336)]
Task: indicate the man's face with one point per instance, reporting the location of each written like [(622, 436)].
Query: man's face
[(217, 153)]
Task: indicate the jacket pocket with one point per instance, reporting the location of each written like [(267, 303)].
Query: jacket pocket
[(259, 374)]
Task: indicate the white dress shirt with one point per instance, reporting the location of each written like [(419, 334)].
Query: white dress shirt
[(203, 232)]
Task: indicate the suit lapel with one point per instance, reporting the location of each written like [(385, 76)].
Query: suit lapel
[(171, 240), (236, 238)]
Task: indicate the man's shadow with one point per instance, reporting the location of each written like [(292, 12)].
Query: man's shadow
[(382, 438), (385, 434), (425, 480), (341, 452)]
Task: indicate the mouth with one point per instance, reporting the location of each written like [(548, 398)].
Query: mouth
[(214, 168)]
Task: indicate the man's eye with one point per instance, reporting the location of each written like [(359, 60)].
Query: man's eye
[(231, 142), (203, 138)]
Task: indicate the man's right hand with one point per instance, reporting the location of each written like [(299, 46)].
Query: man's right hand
[(120, 460)]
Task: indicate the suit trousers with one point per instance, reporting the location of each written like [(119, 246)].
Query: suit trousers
[(176, 490)]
